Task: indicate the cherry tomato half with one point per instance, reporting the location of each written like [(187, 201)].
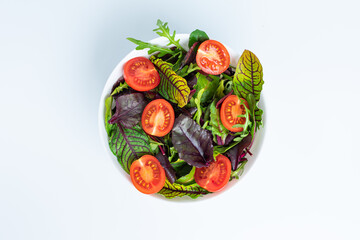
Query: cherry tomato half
[(140, 74), (158, 118), (212, 57), (230, 109), (214, 177), (147, 175)]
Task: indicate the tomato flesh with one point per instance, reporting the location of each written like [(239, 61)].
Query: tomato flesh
[(230, 110), (158, 118), (214, 177), (140, 74), (147, 175), (212, 57)]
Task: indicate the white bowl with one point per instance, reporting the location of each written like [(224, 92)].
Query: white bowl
[(118, 72)]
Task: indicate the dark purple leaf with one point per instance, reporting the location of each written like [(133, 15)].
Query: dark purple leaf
[(188, 112), (129, 109), (230, 71), (169, 170), (218, 104), (236, 153), (219, 140), (193, 143), (229, 138), (191, 80), (190, 55)]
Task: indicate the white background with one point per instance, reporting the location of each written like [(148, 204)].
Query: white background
[(57, 181)]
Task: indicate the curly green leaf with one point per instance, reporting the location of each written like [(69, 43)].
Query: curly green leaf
[(152, 47), (164, 31)]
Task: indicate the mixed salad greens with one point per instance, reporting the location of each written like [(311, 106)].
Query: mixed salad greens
[(182, 122)]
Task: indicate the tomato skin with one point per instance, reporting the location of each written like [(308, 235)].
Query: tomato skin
[(147, 175), (158, 118), (140, 74), (214, 177), (212, 57), (230, 109)]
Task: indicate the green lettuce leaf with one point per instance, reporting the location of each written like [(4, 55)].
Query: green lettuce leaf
[(248, 79), (197, 36), (128, 144), (197, 99), (177, 190), (172, 87), (108, 113), (217, 128), (120, 88)]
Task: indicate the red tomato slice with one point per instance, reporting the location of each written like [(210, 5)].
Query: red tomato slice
[(214, 177), (158, 118), (140, 74), (212, 57), (230, 109), (147, 175)]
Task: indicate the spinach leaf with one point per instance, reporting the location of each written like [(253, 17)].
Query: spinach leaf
[(193, 143), (129, 109), (197, 36), (210, 87), (181, 168), (164, 31), (248, 78), (128, 144), (178, 190), (172, 87), (188, 178)]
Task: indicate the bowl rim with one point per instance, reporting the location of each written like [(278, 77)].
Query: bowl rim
[(117, 72)]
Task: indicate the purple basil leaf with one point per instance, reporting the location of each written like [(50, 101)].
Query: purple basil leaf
[(169, 170), (129, 109), (190, 55), (193, 143), (235, 153), (218, 104)]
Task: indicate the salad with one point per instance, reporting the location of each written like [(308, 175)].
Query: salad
[(182, 122)]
